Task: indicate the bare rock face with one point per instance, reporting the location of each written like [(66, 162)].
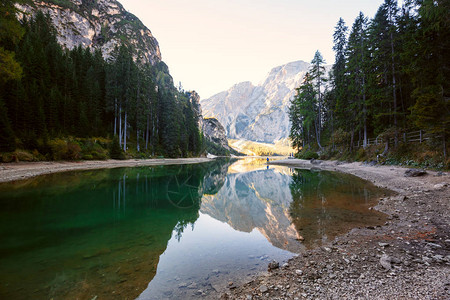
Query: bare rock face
[(101, 24), (258, 113), (214, 131), (211, 127)]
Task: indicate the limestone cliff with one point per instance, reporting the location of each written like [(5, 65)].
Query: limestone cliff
[(214, 131), (99, 24), (258, 113), (211, 127)]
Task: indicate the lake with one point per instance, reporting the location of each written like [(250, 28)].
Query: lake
[(174, 232)]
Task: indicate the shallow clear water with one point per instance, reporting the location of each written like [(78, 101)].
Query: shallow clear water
[(167, 231)]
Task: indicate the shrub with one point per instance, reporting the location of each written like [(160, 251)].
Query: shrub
[(8, 157), (58, 148), (23, 155), (93, 149), (62, 149), (115, 151), (340, 137), (43, 147), (100, 155), (329, 153), (308, 154), (73, 151), (360, 154), (38, 156)]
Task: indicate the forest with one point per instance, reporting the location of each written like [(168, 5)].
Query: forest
[(73, 104), (390, 77)]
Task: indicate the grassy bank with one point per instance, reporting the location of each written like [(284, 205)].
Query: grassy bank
[(73, 149), (428, 155)]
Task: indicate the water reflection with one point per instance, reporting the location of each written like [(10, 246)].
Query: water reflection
[(256, 200), (86, 234), (165, 231), (292, 205), (326, 204)]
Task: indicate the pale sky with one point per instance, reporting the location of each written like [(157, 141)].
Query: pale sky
[(209, 45)]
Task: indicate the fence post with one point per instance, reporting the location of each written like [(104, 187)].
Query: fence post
[(404, 137), (420, 134), (376, 141)]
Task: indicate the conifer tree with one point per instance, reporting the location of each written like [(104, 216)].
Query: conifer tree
[(303, 111), (338, 102), (357, 69), (7, 140), (317, 74), (431, 110)]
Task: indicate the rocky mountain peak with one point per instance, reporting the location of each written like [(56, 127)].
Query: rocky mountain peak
[(258, 113), (286, 72), (99, 24)]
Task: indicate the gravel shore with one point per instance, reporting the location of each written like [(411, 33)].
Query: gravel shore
[(406, 258), (24, 170)]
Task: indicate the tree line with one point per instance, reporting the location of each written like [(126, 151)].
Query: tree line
[(390, 75), (49, 92)]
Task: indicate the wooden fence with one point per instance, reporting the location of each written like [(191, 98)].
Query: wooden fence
[(418, 136)]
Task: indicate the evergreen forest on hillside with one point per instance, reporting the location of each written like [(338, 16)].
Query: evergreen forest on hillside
[(390, 78), (74, 104)]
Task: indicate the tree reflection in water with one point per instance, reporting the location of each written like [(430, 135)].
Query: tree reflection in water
[(326, 204), (94, 233), (102, 233)]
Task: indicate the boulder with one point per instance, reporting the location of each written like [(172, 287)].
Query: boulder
[(415, 172), (273, 265)]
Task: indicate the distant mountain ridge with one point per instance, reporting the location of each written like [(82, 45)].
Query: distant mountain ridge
[(258, 113)]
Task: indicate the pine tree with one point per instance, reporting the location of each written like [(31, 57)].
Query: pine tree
[(384, 81), (296, 130), (303, 111), (431, 110), (115, 151), (7, 140), (317, 74), (338, 97), (357, 69)]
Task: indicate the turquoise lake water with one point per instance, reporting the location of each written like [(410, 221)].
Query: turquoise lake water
[(175, 232)]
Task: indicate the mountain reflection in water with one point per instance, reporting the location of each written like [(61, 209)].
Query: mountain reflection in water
[(286, 205), (166, 231), (257, 199)]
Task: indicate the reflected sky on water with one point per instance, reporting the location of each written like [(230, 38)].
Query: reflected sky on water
[(167, 231)]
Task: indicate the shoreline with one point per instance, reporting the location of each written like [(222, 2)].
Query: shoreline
[(406, 258), (24, 170), (390, 177)]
